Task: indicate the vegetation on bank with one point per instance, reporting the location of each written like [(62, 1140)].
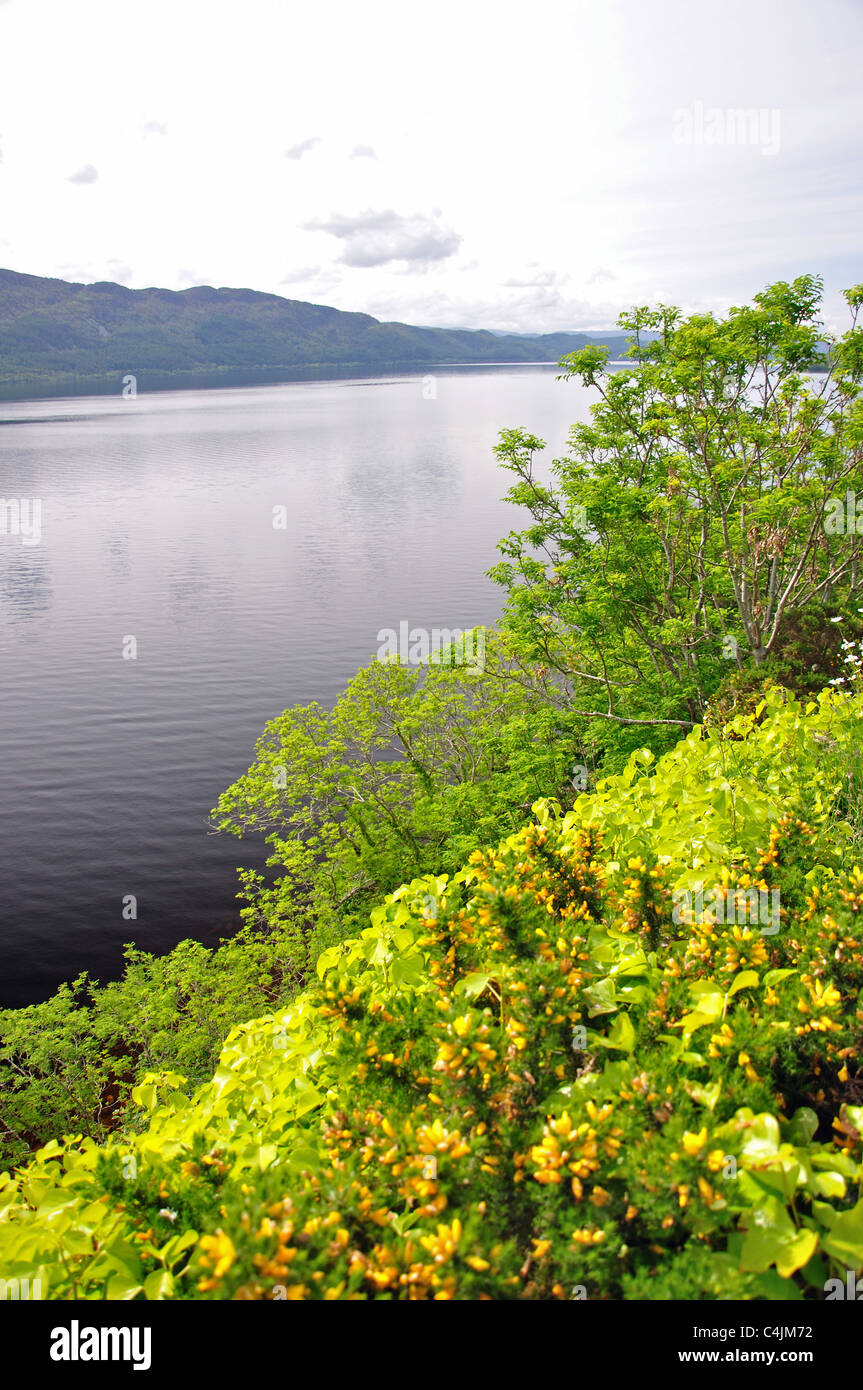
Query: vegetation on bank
[(535, 1074), (55, 329), (527, 1079)]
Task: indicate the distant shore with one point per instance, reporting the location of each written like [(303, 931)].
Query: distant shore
[(69, 384)]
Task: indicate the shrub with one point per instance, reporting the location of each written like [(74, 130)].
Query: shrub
[(540, 1078)]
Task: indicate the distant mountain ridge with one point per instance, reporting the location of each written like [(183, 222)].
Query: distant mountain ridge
[(54, 329)]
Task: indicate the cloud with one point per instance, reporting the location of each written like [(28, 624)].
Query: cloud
[(363, 152), (155, 128), (192, 279), (379, 238), (88, 174), (536, 279), (121, 273), (89, 272), (297, 151), (313, 281), (301, 275), (534, 310), (599, 275)]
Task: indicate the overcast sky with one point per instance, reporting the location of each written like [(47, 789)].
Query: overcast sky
[(468, 163)]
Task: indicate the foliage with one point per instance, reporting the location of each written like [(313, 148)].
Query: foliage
[(691, 524), (405, 775), (51, 328), (411, 768), (530, 1079), (70, 1062)]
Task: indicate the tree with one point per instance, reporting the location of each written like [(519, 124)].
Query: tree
[(410, 770), (686, 526)]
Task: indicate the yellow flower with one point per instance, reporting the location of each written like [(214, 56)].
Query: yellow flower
[(694, 1143), (219, 1248), (444, 1244), (587, 1236), (824, 996)]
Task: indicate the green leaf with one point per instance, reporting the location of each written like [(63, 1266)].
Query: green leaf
[(145, 1096), (621, 1035), (704, 1095), (762, 1137), (804, 1124), (789, 1252), (845, 1240), (472, 985), (121, 1287), (601, 997), (774, 976), (409, 969), (745, 980), (829, 1184), (158, 1285)]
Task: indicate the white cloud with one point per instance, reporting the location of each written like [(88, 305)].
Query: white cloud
[(88, 174), (379, 238), (297, 151), (118, 272), (188, 279), (557, 164), (301, 276)]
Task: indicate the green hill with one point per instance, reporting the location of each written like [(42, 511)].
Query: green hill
[(53, 329)]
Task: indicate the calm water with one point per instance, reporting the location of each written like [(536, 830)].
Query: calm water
[(157, 523)]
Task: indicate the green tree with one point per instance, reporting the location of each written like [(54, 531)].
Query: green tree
[(410, 770), (686, 526)]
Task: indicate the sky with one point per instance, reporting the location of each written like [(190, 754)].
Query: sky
[(468, 164)]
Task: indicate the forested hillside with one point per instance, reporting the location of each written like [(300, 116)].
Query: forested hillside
[(50, 327)]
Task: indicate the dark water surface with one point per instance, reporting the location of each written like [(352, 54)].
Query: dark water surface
[(157, 523)]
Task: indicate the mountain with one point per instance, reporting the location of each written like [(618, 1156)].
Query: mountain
[(53, 332)]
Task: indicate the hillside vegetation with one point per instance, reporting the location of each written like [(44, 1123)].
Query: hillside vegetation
[(53, 328), (528, 1080)]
